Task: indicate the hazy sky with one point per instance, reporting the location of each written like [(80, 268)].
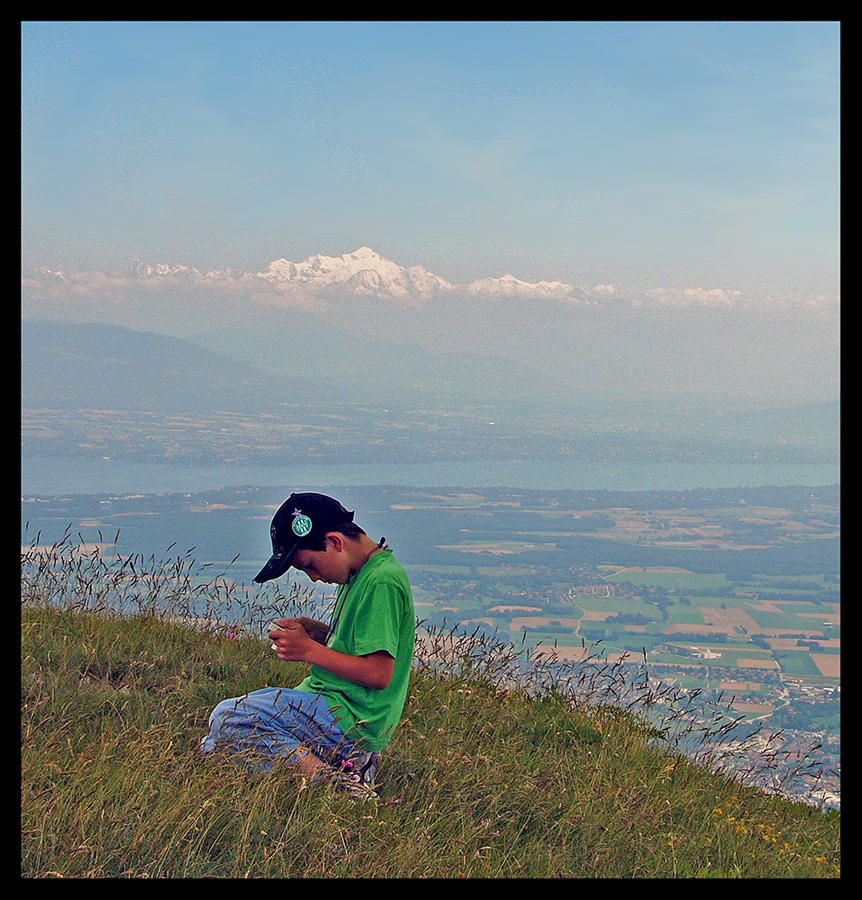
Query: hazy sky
[(666, 154)]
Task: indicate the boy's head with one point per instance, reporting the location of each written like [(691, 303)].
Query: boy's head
[(302, 522)]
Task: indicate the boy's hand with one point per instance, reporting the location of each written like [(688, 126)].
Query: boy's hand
[(290, 640), (292, 643)]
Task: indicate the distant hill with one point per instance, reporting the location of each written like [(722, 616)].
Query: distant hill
[(387, 368), (110, 367)]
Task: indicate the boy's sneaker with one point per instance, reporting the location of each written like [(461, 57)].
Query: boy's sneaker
[(366, 766), (356, 776)]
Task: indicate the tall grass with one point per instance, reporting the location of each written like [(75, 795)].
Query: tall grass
[(505, 764)]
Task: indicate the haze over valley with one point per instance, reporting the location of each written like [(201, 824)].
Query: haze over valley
[(360, 323)]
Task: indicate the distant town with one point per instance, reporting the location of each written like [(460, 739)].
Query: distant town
[(352, 433)]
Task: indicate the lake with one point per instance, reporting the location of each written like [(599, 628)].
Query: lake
[(49, 476)]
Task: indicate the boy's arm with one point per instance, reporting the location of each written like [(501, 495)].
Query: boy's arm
[(293, 643), (373, 671)]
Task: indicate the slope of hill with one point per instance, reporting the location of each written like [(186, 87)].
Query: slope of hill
[(111, 367), (481, 779)]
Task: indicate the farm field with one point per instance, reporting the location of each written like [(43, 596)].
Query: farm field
[(716, 594)]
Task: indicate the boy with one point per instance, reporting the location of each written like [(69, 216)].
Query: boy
[(335, 722)]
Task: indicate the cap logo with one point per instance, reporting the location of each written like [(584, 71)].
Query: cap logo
[(301, 524)]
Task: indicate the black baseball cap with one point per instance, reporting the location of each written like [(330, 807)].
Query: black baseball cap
[(301, 519)]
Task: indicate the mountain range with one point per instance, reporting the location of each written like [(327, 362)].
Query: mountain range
[(365, 273), (108, 367), (360, 325)]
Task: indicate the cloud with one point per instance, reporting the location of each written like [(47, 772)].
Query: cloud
[(693, 296), (324, 280), (716, 297)]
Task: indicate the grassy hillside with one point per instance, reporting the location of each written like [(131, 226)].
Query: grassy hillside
[(489, 774)]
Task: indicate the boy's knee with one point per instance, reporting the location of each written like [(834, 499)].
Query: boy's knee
[(225, 710)]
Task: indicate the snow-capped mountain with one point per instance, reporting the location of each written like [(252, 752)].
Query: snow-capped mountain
[(360, 272), (509, 286), (365, 273)]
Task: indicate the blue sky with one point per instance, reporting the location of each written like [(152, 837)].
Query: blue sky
[(701, 154)]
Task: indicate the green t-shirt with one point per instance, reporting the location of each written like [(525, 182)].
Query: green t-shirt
[(373, 611)]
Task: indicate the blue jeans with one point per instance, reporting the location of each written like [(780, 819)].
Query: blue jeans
[(277, 724)]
